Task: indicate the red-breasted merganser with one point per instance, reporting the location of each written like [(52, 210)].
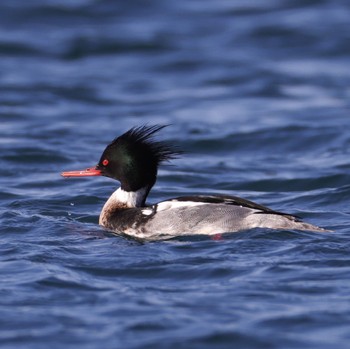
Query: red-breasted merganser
[(133, 160)]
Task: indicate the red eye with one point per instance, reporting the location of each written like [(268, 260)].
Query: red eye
[(105, 162)]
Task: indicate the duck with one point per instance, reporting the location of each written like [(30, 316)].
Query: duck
[(133, 159)]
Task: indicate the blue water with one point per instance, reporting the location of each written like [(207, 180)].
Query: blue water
[(257, 93)]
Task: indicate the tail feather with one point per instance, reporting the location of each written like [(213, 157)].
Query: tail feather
[(310, 227), (273, 221)]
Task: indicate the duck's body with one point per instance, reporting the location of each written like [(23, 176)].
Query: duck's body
[(126, 212), (202, 214)]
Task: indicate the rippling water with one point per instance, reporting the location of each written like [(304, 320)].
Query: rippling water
[(258, 96)]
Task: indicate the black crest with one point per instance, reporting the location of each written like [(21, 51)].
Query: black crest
[(142, 138), (133, 157)]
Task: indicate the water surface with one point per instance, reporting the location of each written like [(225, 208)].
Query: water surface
[(258, 97)]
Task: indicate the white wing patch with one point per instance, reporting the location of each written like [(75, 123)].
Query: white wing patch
[(168, 205), (147, 211)]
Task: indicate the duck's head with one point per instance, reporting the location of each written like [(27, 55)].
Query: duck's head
[(132, 159)]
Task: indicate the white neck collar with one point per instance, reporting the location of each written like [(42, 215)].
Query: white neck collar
[(130, 198)]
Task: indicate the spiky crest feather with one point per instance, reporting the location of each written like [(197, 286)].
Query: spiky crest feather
[(143, 137)]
